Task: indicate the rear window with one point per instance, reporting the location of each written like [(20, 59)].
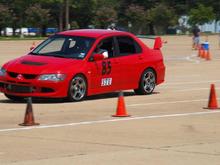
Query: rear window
[(127, 46)]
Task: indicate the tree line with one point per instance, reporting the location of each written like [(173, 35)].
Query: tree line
[(137, 16)]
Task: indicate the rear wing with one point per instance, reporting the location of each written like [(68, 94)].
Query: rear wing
[(158, 43)]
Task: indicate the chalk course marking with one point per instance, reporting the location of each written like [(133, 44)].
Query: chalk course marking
[(192, 82), (110, 120), (167, 102)]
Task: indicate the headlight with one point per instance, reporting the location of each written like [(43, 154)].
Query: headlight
[(2, 72), (52, 77)]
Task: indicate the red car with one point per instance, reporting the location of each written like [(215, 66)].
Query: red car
[(78, 63)]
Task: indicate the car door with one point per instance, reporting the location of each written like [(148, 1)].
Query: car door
[(129, 55), (104, 74)]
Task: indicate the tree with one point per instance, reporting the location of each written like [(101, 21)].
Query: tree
[(38, 17), (56, 9), (161, 17), (17, 12), (136, 16), (4, 17), (67, 6), (201, 15), (105, 15), (82, 12)]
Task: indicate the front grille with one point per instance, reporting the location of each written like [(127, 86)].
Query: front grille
[(29, 76), (25, 83), (18, 89), (26, 76), (12, 74), (1, 85), (46, 90)]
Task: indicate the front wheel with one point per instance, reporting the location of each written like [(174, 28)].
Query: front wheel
[(147, 82), (77, 88)]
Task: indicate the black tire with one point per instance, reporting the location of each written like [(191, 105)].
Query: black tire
[(147, 82), (77, 88), (14, 98)]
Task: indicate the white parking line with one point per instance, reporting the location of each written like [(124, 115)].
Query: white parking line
[(191, 82), (111, 120), (189, 58), (194, 89), (168, 102)]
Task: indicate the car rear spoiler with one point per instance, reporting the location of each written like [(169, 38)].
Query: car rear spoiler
[(158, 43)]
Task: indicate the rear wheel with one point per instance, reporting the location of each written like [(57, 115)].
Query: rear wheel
[(77, 88), (147, 82), (14, 98)]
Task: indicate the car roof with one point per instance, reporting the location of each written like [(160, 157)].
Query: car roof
[(93, 33)]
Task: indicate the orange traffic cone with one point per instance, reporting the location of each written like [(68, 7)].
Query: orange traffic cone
[(199, 52), (208, 56), (202, 53), (29, 115), (33, 46), (121, 110), (205, 54), (212, 104)]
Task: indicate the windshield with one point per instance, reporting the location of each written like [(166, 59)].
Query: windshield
[(64, 46)]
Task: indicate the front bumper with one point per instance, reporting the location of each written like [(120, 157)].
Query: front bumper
[(33, 88)]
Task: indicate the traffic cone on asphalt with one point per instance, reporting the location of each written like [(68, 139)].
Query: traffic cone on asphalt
[(121, 110), (208, 56), (200, 52), (205, 54), (29, 115), (33, 46), (212, 104)]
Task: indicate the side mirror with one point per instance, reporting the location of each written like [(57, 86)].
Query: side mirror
[(157, 43), (98, 57)]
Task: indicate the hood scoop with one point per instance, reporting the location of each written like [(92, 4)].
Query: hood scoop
[(33, 63)]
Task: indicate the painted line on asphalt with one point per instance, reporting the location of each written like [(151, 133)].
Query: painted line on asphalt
[(186, 76), (189, 58), (191, 82), (194, 89), (111, 120), (168, 102), (176, 89)]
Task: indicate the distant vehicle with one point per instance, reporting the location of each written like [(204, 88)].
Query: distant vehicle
[(27, 31), (33, 31), (23, 31), (79, 63), (51, 30), (7, 31)]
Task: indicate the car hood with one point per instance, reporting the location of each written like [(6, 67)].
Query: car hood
[(41, 64)]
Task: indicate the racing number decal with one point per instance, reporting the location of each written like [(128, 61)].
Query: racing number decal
[(106, 67)]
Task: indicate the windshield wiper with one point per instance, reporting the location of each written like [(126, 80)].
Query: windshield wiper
[(37, 54)]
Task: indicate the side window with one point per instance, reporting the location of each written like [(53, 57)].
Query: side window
[(127, 46), (106, 45)]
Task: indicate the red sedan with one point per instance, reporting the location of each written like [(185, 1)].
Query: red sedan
[(78, 63)]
